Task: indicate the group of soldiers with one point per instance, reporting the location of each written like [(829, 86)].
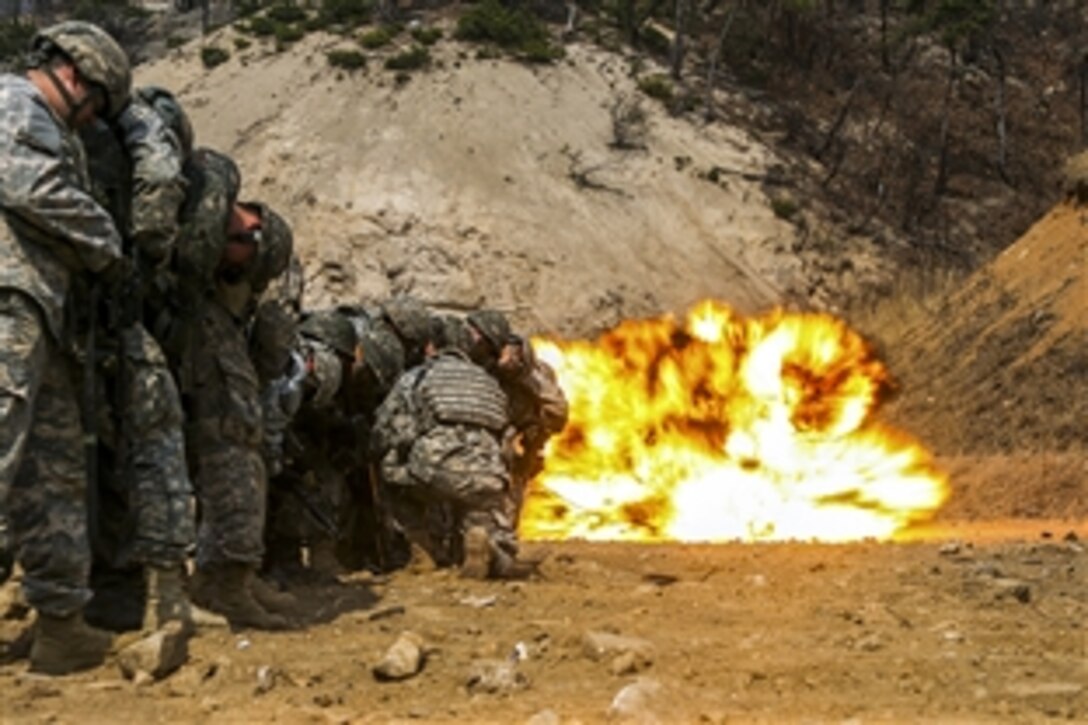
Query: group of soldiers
[(168, 409)]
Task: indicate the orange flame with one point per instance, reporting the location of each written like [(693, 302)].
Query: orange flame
[(725, 429)]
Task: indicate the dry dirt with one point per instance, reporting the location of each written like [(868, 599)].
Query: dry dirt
[(984, 623), (441, 187)]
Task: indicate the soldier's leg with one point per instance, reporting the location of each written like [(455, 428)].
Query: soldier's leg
[(46, 501), (22, 352), (472, 476), (160, 493), (224, 435)]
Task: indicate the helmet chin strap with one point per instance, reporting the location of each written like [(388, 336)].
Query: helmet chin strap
[(74, 107)]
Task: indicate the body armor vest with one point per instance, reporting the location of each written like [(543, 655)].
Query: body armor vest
[(455, 390)]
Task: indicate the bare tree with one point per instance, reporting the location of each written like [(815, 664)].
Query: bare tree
[(678, 43), (715, 58)]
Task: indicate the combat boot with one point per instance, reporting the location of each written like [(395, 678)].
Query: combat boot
[(505, 566), (67, 644), (272, 599), (166, 599), (478, 553), (226, 590)]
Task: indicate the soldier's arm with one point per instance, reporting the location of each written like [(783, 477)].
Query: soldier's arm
[(41, 188), (158, 184), (554, 409)]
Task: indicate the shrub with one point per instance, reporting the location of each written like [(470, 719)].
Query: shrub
[(261, 26), (378, 37), (13, 37), (346, 13), (212, 56), (287, 34), (346, 59), (427, 36), (241, 43), (283, 12), (784, 207), (414, 59), (656, 86), (175, 41), (514, 29)]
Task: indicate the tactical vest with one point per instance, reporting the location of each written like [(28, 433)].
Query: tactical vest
[(456, 391)]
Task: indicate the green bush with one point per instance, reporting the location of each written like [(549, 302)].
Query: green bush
[(13, 37), (283, 12), (541, 51), (212, 56), (414, 59), (261, 26), (515, 29), (345, 13), (175, 41), (346, 59), (784, 207), (287, 34), (656, 86), (241, 43), (376, 38), (245, 8), (427, 36)]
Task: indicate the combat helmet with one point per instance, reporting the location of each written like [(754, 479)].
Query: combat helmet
[(214, 182), (95, 54), (167, 106), (493, 325), (381, 355), (411, 321), (277, 245), (331, 328)]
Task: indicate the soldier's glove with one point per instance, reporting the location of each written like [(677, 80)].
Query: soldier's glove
[(118, 273), (280, 401)]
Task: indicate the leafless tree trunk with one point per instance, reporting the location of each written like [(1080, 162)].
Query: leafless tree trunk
[(840, 119), (715, 58), (678, 43), (1002, 115), (1084, 98), (885, 57), (572, 18), (946, 119), (205, 16)]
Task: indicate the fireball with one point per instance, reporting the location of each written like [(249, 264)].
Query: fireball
[(724, 428)]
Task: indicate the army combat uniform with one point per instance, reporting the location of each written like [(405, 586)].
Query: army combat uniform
[(439, 438), (54, 235), (146, 515), (220, 385)]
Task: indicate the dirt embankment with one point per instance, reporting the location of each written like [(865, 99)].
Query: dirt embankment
[(996, 378)]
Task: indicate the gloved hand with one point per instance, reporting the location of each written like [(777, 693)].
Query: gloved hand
[(118, 273)]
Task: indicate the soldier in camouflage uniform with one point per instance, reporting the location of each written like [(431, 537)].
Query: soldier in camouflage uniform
[(323, 499), (538, 406), (145, 509), (227, 254), (55, 235), (440, 439)]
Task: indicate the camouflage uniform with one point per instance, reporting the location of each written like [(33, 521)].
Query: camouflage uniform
[(219, 382), (136, 171), (439, 438), (53, 231)]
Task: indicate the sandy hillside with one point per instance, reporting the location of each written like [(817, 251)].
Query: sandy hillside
[(457, 185), (996, 379)]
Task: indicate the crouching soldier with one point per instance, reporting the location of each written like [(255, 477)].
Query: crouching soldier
[(439, 439), (538, 406), (228, 252), (321, 501)]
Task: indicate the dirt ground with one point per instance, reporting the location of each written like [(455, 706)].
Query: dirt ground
[(979, 622)]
